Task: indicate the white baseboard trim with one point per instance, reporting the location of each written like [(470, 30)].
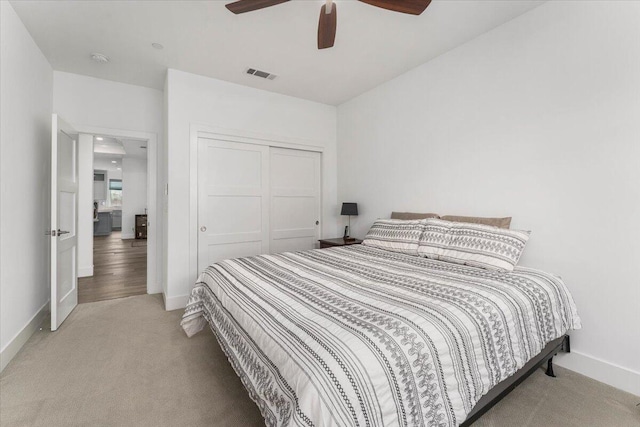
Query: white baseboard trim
[(15, 344), (600, 370), (128, 235), (175, 303), (85, 271)]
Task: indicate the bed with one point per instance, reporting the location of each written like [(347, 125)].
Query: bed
[(362, 336)]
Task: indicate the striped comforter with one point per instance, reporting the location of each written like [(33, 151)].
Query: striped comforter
[(358, 336)]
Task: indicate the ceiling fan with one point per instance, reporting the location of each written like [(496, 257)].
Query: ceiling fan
[(328, 14)]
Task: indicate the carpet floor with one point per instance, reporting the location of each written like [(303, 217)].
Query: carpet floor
[(126, 362)]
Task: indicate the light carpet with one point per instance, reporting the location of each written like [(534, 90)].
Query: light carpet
[(127, 362)]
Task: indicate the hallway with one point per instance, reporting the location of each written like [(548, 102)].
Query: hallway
[(119, 269)]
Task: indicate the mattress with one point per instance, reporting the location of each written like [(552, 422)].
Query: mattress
[(359, 336)]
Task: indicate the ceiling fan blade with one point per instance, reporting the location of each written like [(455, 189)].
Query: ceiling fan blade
[(243, 6), (413, 7), (327, 26)]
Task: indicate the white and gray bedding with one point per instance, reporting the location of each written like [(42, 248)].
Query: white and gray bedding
[(361, 336)]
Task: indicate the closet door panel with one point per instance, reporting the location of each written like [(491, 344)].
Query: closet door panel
[(295, 178), (233, 200)]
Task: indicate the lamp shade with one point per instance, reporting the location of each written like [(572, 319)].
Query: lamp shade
[(349, 209)]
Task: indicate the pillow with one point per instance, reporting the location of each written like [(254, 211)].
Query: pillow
[(496, 222), (477, 245), (435, 238), (395, 235), (411, 215)]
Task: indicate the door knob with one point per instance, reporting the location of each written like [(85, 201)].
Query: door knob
[(203, 228), (60, 232)]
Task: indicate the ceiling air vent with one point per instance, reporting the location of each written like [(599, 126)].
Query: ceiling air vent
[(262, 74)]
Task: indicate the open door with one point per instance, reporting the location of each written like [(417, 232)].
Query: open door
[(64, 223)]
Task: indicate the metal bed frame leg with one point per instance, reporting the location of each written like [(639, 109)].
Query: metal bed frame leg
[(550, 368), (566, 347)]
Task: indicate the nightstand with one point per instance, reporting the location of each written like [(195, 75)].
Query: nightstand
[(328, 243)]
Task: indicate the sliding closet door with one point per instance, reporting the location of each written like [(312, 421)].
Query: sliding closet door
[(295, 199), (233, 200)]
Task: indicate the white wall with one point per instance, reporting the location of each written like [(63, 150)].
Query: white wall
[(538, 119), (85, 205), (25, 134), (134, 193), (197, 99), (88, 102)]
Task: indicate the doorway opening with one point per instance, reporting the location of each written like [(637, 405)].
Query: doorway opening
[(118, 217)]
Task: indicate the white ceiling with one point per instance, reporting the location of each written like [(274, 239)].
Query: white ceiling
[(107, 145), (133, 148), (372, 45), (110, 148), (105, 162)]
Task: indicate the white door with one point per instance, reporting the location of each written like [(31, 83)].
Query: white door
[(64, 240), (295, 199), (233, 200)]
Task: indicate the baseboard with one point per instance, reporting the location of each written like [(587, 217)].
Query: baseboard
[(16, 343), (175, 303), (600, 370), (127, 236), (85, 271)]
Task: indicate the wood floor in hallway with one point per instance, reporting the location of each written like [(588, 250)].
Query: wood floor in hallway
[(119, 269)]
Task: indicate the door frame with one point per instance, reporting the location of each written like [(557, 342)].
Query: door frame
[(154, 249), (200, 130)]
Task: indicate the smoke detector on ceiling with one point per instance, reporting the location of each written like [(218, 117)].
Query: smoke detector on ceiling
[(262, 74), (100, 58)]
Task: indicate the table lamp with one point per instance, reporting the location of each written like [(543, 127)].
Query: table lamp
[(349, 209)]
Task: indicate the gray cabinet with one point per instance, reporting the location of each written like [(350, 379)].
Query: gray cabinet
[(116, 220), (103, 226)]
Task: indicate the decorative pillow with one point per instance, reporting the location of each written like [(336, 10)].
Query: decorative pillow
[(395, 235), (496, 222), (477, 245), (435, 238), (412, 215)]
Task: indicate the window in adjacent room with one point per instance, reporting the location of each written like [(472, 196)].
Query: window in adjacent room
[(115, 192)]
